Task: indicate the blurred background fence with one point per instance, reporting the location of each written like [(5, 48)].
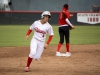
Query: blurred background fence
[(53, 5), (27, 18), (27, 11)]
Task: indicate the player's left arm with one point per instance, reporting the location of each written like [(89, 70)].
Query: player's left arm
[(51, 33), (48, 41), (67, 20), (72, 26)]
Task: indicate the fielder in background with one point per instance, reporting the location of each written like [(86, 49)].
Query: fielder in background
[(64, 27), (37, 45), (95, 8)]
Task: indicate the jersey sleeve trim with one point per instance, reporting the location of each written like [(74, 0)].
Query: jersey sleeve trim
[(49, 39), (28, 32)]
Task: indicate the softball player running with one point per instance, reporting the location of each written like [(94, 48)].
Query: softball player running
[(37, 45), (64, 25)]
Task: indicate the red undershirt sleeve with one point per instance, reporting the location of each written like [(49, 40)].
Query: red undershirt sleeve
[(49, 39), (28, 32)]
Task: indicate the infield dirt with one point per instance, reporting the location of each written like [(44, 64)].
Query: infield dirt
[(85, 60)]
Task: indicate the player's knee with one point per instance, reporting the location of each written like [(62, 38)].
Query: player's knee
[(36, 58)]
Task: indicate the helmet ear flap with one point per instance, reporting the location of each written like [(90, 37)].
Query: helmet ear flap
[(42, 16)]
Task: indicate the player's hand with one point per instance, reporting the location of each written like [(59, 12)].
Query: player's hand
[(27, 37), (73, 27), (45, 46)]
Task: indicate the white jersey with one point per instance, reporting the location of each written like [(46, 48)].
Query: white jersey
[(40, 30)]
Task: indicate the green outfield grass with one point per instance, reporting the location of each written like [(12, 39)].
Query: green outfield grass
[(14, 35)]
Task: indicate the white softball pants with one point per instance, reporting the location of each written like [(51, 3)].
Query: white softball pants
[(36, 49)]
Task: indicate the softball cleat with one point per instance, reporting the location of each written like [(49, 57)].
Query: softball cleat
[(68, 54), (59, 54), (27, 69)]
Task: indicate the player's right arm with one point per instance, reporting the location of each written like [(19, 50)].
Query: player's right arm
[(29, 31)]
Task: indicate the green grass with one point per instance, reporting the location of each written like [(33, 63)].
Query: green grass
[(85, 35), (14, 35)]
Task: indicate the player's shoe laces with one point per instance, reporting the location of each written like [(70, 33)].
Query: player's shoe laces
[(26, 69), (68, 54)]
